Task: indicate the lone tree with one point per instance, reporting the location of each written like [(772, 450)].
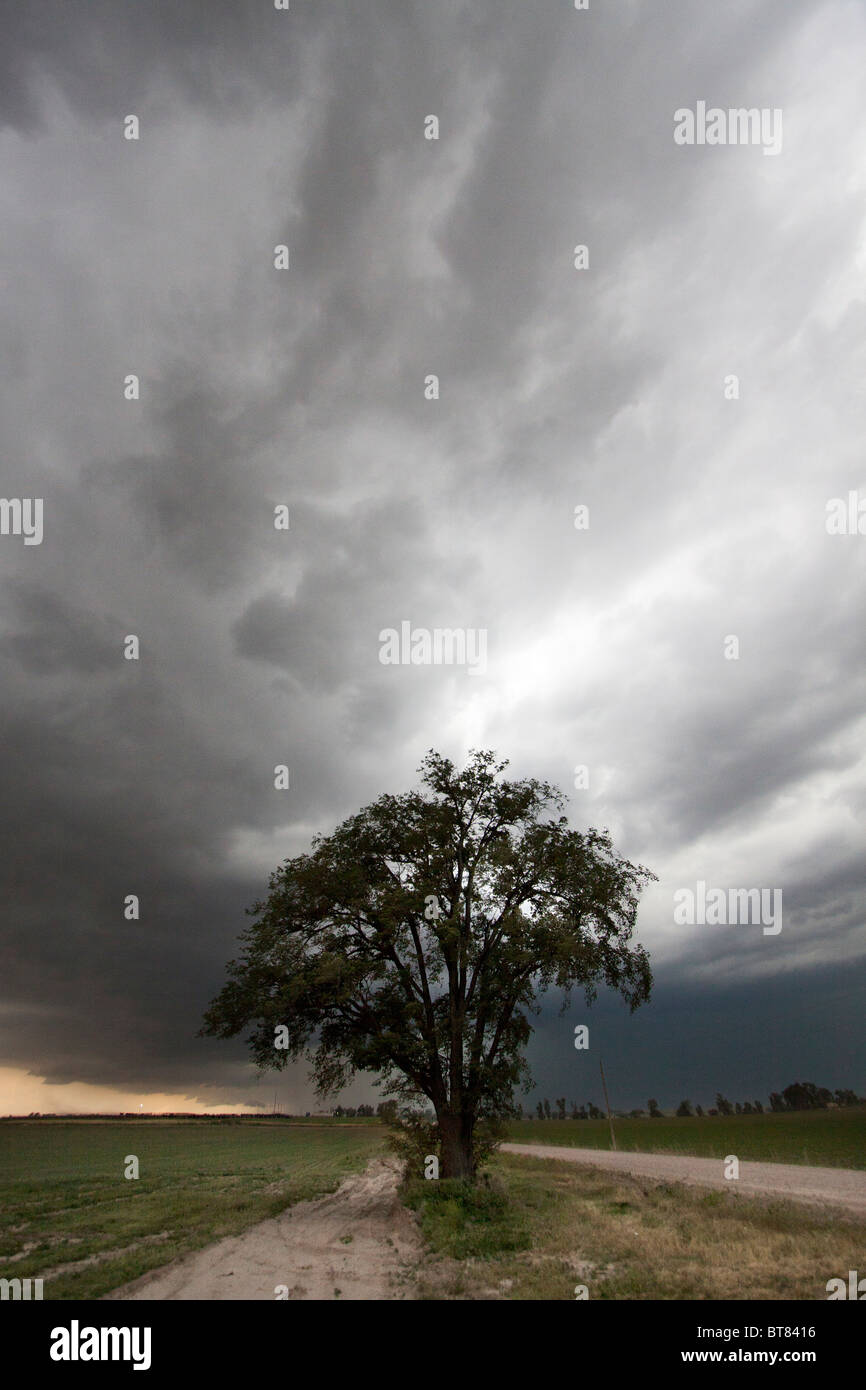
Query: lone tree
[(416, 938)]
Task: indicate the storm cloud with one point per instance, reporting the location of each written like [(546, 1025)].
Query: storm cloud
[(607, 387)]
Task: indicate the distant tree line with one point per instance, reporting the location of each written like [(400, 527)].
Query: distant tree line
[(386, 1110), (801, 1095), (563, 1111)]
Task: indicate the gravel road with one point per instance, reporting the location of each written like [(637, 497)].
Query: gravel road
[(839, 1187)]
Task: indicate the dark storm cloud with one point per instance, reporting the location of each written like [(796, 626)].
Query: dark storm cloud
[(192, 502), (357, 567), (305, 388), (745, 1039), (98, 53), (48, 635)]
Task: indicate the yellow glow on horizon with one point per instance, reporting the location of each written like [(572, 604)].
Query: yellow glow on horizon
[(22, 1093)]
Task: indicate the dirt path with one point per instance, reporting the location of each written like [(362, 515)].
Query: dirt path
[(359, 1242), (840, 1187)]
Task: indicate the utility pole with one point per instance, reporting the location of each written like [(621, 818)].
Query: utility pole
[(607, 1103)]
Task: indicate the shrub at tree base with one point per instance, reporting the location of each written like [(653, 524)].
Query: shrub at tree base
[(415, 1137)]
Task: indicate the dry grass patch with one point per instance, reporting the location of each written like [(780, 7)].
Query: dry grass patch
[(626, 1238)]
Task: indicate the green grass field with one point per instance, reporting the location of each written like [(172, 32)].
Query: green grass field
[(68, 1214), (827, 1138)]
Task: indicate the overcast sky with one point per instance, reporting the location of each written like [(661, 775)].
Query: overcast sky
[(607, 386)]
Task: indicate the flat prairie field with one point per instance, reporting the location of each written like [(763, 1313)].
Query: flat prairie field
[(68, 1214), (825, 1138)]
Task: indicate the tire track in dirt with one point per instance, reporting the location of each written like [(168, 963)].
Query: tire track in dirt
[(359, 1242)]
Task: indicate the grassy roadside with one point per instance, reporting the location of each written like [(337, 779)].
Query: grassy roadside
[(543, 1227), (68, 1215)]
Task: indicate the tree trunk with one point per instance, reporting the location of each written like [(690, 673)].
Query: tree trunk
[(456, 1132)]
